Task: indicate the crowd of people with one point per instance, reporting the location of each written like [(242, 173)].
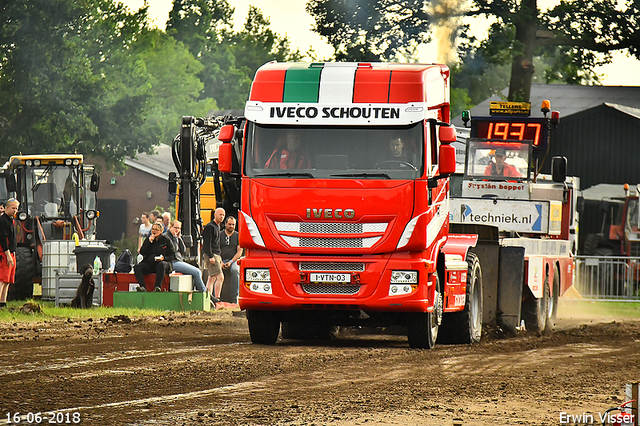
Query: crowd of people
[(162, 251)]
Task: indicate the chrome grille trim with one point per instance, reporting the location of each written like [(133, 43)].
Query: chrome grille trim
[(330, 242), (332, 266), (330, 227), (330, 289)]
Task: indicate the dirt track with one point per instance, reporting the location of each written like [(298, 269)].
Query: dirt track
[(201, 369)]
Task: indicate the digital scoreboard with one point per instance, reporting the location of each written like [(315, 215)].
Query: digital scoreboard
[(534, 129)]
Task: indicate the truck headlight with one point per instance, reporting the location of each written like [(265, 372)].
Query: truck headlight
[(258, 280), (403, 282), (260, 275), (264, 288), (402, 277)]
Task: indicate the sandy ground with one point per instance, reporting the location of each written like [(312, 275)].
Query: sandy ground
[(200, 368)]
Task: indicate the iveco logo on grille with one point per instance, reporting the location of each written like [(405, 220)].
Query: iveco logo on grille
[(331, 213)]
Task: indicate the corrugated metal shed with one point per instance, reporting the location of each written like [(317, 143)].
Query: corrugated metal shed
[(599, 130), (601, 144), (568, 99)]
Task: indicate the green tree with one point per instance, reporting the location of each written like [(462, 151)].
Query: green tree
[(174, 84), (67, 80), (230, 58), (576, 35)]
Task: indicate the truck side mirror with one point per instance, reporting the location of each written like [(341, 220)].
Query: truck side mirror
[(225, 156), (447, 134), (95, 183), (173, 184), (226, 133), (447, 159), (580, 204), (559, 169), (10, 183)]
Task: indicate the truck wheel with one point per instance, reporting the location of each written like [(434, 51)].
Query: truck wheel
[(22, 288), (553, 301), (264, 326), (591, 243), (466, 326), (422, 327), (534, 310)]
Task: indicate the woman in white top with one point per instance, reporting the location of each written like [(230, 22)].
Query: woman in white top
[(145, 228)]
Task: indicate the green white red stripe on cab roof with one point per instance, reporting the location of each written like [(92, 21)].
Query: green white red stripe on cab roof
[(306, 93)]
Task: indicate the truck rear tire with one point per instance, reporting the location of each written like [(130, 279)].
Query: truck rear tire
[(264, 326), (422, 327), (466, 326), (22, 288), (534, 310)]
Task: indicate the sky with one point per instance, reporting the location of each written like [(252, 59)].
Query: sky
[(297, 24)]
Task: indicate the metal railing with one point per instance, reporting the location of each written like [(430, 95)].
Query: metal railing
[(608, 277)]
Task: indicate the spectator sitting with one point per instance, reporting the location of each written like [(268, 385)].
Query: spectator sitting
[(158, 253), (179, 265)]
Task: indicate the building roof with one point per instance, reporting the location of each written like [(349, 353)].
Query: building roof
[(158, 165), (570, 99)]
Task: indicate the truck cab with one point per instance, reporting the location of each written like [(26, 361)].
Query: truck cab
[(344, 211)]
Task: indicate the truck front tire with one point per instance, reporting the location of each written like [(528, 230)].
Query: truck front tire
[(264, 326), (422, 327), (466, 326)]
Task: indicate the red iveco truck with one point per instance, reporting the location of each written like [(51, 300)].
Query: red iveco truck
[(344, 211)]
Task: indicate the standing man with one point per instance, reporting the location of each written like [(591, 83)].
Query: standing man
[(211, 254), (230, 251), (8, 244), (166, 221), (153, 217)]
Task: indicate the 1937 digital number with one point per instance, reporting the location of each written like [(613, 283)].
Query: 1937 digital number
[(56, 417)]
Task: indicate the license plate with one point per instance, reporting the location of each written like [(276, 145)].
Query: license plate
[(329, 278)]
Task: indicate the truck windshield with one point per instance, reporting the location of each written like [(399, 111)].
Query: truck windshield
[(492, 160), (52, 191), (336, 152)]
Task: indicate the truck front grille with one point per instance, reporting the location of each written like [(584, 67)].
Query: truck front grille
[(332, 266), (330, 242), (330, 227), (330, 288)]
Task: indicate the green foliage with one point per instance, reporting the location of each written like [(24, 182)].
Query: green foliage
[(126, 243), (94, 78), (12, 313), (229, 59), (564, 44), (67, 79), (363, 30)]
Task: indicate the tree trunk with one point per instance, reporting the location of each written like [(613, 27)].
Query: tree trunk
[(522, 69)]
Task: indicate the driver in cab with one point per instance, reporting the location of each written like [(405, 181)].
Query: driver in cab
[(399, 156), (288, 154), (499, 167)]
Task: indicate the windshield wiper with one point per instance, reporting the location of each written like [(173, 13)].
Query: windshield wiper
[(287, 174), (364, 175)]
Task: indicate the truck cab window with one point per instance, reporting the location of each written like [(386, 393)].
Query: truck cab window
[(335, 151)]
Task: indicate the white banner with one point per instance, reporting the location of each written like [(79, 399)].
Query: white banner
[(507, 215)]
